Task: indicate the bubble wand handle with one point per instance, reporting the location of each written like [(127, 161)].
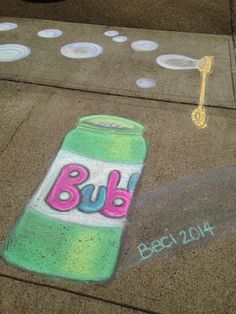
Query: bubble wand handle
[(205, 71), (203, 89), (199, 114)]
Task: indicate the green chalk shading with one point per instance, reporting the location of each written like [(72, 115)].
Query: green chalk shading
[(57, 248), (123, 144)]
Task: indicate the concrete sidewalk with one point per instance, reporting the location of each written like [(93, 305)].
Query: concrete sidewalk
[(191, 16), (22, 297), (188, 170), (116, 70)]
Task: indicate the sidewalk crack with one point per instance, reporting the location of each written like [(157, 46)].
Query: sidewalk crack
[(16, 129)]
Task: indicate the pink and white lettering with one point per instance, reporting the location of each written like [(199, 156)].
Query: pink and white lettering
[(112, 201), (65, 185)]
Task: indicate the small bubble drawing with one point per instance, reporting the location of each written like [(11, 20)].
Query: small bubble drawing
[(50, 33), (120, 39), (81, 50), (144, 45), (111, 33), (145, 82)]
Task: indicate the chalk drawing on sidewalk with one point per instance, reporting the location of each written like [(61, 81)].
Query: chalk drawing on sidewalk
[(204, 66), (144, 45), (178, 62), (7, 26), (50, 33), (120, 39), (199, 114), (171, 213), (111, 33), (115, 36), (169, 241), (81, 50), (13, 52), (73, 224), (145, 82)]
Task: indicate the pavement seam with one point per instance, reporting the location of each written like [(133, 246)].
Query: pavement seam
[(231, 67), (117, 95), (19, 126), (14, 133), (81, 294)]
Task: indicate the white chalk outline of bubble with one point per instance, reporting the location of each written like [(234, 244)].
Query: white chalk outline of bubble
[(159, 61), (12, 26), (26, 51), (57, 32), (99, 50), (135, 45), (125, 38), (111, 33), (146, 78)]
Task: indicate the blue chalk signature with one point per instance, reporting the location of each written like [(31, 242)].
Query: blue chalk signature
[(167, 242)]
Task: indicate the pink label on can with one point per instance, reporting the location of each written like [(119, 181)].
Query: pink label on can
[(111, 209), (111, 201), (67, 181)]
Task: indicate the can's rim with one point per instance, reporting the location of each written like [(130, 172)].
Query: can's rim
[(111, 123)]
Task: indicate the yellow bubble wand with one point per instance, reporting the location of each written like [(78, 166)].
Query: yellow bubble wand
[(199, 116)]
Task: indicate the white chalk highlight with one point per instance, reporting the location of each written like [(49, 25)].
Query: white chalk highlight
[(111, 33), (7, 26), (120, 39), (50, 33), (81, 50), (145, 82), (144, 45), (12, 52)]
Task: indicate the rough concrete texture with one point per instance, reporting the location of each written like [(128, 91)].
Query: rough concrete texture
[(118, 68), (196, 279), (233, 17), (233, 14), (179, 205), (25, 298), (188, 16)]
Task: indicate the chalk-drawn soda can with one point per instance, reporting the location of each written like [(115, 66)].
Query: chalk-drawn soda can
[(72, 226)]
